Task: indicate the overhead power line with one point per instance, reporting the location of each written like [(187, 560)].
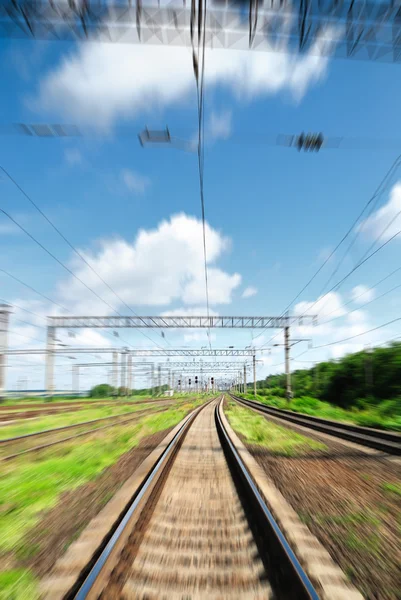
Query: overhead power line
[(358, 334), (66, 240), (199, 63), (370, 203)]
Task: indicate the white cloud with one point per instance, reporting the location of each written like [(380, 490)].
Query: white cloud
[(73, 156), (190, 312), (386, 221), (249, 291), (219, 126), (134, 182), (362, 293), (160, 266), (330, 304), (100, 83), (220, 286), (357, 317)]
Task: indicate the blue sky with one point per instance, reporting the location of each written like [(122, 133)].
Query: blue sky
[(274, 214)]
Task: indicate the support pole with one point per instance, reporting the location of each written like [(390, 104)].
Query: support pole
[(129, 369), (123, 373), (254, 375), (245, 387), (159, 379), (287, 363), (75, 379), (169, 379), (115, 372), (4, 320), (152, 379), (51, 335)]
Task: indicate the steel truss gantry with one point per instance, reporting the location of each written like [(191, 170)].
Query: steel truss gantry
[(365, 30), (184, 322), (168, 322), (140, 353)]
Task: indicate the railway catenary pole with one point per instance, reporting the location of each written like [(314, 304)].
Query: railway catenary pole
[(287, 363), (4, 322), (51, 335), (115, 371), (166, 322), (75, 378), (159, 379), (254, 374), (123, 373), (152, 378), (129, 372), (245, 386)]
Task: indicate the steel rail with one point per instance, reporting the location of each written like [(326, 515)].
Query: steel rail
[(377, 439), (25, 436), (267, 525), (266, 522), (77, 435), (91, 576)]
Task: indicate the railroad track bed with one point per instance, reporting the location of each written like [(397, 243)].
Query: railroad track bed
[(349, 498), (197, 527), (47, 498), (12, 448), (15, 415), (383, 441)]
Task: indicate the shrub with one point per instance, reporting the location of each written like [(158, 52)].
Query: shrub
[(102, 391)]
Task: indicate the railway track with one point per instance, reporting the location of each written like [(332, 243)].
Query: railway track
[(384, 441), (117, 420), (197, 528)]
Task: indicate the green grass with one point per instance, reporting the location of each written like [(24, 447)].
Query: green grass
[(260, 432), (68, 418), (373, 416), (18, 584), (35, 483), (359, 530), (392, 488)]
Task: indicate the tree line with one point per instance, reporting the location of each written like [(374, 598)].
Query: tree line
[(104, 390), (366, 377)]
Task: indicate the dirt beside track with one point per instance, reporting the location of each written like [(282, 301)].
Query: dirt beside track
[(62, 525), (351, 501)]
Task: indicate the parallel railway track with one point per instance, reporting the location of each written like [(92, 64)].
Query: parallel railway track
[(384, 441), (118, 420), (197, 528)]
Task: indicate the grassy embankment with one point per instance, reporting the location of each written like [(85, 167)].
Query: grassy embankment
[(35, 483), (256, 430), (380, 416), (72, 417)]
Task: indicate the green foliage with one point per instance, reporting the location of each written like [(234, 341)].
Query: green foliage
[(278, 440), (18, 584), (34, 484), (68, 418), (367, 383), (103, 390), (392, 488)]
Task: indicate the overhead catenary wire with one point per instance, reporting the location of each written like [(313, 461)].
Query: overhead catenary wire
[(371, 202), (75, 250), (200, 88), (47, 298)]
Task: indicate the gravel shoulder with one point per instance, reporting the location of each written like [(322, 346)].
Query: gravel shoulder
[(351, 500)]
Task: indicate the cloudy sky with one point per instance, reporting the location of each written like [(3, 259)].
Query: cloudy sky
[(274, 215)]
